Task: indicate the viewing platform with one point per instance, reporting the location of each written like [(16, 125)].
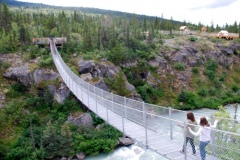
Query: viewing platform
[(46, 40)]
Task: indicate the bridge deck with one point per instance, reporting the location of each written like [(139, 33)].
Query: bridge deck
[(158, 142), (153, 126)]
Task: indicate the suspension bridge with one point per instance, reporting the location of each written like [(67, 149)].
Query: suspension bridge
[(154, 127)]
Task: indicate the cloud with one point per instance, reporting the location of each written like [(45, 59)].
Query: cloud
[(221, 3), (216, 4)]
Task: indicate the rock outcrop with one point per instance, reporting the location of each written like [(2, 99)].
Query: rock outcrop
[(83, 119), (94, 74), (42, 78)]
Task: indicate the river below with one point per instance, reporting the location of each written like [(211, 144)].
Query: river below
[(135, 152)]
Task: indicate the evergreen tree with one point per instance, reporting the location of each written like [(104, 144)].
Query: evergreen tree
[(156, 24), (87, 39), (239, 30), (116, 56), (120, 84), (5, 17), (51, 139)]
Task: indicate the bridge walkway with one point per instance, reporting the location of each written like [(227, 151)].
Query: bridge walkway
[(152, 127)]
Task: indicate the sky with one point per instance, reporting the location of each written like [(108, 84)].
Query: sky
[(205, 11)]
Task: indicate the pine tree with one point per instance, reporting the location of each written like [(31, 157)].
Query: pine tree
[(5, 18), (156, 24), (120, 84), (51, 139), (239, 30), (116, 55)]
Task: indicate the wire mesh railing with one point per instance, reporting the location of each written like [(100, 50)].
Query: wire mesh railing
[(157, 121)]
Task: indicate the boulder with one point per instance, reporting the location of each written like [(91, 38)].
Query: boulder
[(21, 74), (45, 75), (84, 119), (191, 50), (227, 50), (101, 84), (86, 77), (85, 66), (108, 69), (80, 156), (123, 141), (61, 93)]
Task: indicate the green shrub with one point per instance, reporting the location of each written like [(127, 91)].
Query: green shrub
[(202, 93), (211, 65), (11, 93), (192, 39), (93, 142), (19, 87), (211, 103), (179, 66), (96, 120), (148, 93), (46, 62), (210, 74), (214, 40), (217, 83), (212, 91), (235, 88), (188, 98), (195, 70), (4, 65), (34, 50)]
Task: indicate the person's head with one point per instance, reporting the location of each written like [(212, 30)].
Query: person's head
[(190, 116), (204, 122)]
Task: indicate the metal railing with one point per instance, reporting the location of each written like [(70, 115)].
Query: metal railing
[(154, 120)]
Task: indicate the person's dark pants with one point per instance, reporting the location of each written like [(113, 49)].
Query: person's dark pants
[(191, 140)]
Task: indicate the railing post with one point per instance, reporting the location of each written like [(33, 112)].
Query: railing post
[(185, 141), (170, 115), (67, 80), (145, 123), (88, 94), (95, 98), (112, 100), (123, 119), (72, 86), (213, 141), (102, 95), (125, 113), (77, 90), (82, 91), (107, 115)]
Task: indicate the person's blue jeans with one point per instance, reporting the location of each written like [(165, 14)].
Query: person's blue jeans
[(202, 146)]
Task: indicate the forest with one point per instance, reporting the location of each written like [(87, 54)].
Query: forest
[(93, 34)]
